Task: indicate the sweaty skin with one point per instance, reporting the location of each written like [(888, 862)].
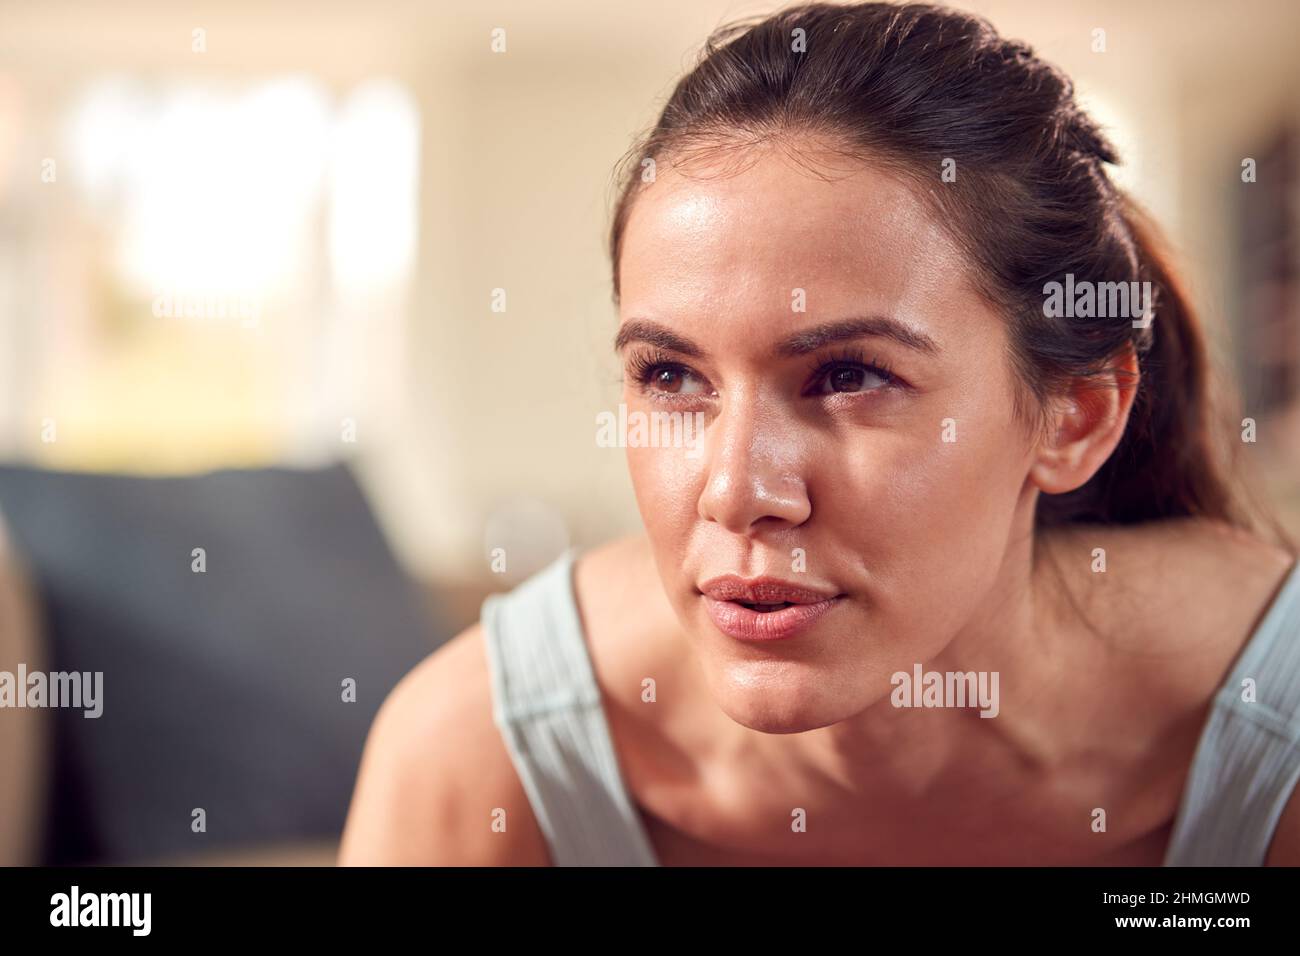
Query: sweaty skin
[(826, 466), (927, 539), (910, 496)]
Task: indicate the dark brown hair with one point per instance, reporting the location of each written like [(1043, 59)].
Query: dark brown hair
[(910, 86)]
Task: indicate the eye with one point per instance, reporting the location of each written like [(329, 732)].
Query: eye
[(656, 374), (674, 379), (848, 375)]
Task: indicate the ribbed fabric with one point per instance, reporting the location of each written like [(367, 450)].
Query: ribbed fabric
[(1248, 759), (547, 704)]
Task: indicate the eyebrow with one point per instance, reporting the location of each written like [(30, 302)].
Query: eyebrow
[(652, 333), (800, 343)]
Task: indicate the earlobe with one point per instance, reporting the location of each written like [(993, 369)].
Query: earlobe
[(1087, 425), (1062, 461)]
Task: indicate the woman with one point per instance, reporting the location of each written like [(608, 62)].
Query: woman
[(954, 574)]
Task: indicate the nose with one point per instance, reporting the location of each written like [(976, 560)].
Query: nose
[(754, 476)]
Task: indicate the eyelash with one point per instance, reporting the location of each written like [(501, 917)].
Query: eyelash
[(854, 358), (642, 366)]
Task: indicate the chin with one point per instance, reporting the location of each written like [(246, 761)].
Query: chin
[(772, 698)]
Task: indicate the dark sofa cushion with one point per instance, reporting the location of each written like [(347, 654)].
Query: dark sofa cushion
[(222, 690)]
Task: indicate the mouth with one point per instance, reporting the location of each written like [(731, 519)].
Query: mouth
[(764, 609)]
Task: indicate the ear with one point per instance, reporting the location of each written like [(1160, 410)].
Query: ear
[(1087, 423)]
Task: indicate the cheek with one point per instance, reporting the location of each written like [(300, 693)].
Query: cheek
[(667, 485), (928, 521), (926, 474), (943, 484), (931, 485)]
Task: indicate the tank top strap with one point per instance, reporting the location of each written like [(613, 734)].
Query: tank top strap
[(547, 705), (1247, 761)]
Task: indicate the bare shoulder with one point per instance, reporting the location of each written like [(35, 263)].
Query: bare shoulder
[(634, 638), (1217, 542), (1179, 571), (1179, 598), (436, 774), (629, 625), (1285, 847), (1198, 548), (1218, 572), (615, 577), (1184, 596)]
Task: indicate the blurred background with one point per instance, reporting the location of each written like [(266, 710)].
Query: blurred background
[(324, 285)]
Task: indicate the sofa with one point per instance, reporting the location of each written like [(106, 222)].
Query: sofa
[(246, 623)]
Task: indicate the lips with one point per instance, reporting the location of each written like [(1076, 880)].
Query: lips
[(763, 609)]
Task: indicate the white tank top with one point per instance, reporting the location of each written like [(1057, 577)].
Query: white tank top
[(547, 705)]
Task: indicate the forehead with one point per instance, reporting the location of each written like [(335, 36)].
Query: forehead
[(740, 239)]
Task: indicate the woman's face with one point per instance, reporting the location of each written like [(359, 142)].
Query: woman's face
[(860, 475)]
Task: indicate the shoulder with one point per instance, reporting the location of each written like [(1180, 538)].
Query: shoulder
[(1285, 848), (662, 739), (435, 773), (1221, 577), (631, 629), (1207, 586), (615, 577), (1184, 579), (1191, 547), (1172, 605)]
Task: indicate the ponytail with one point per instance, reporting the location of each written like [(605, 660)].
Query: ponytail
[(1168, 464), (1179, 457)]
